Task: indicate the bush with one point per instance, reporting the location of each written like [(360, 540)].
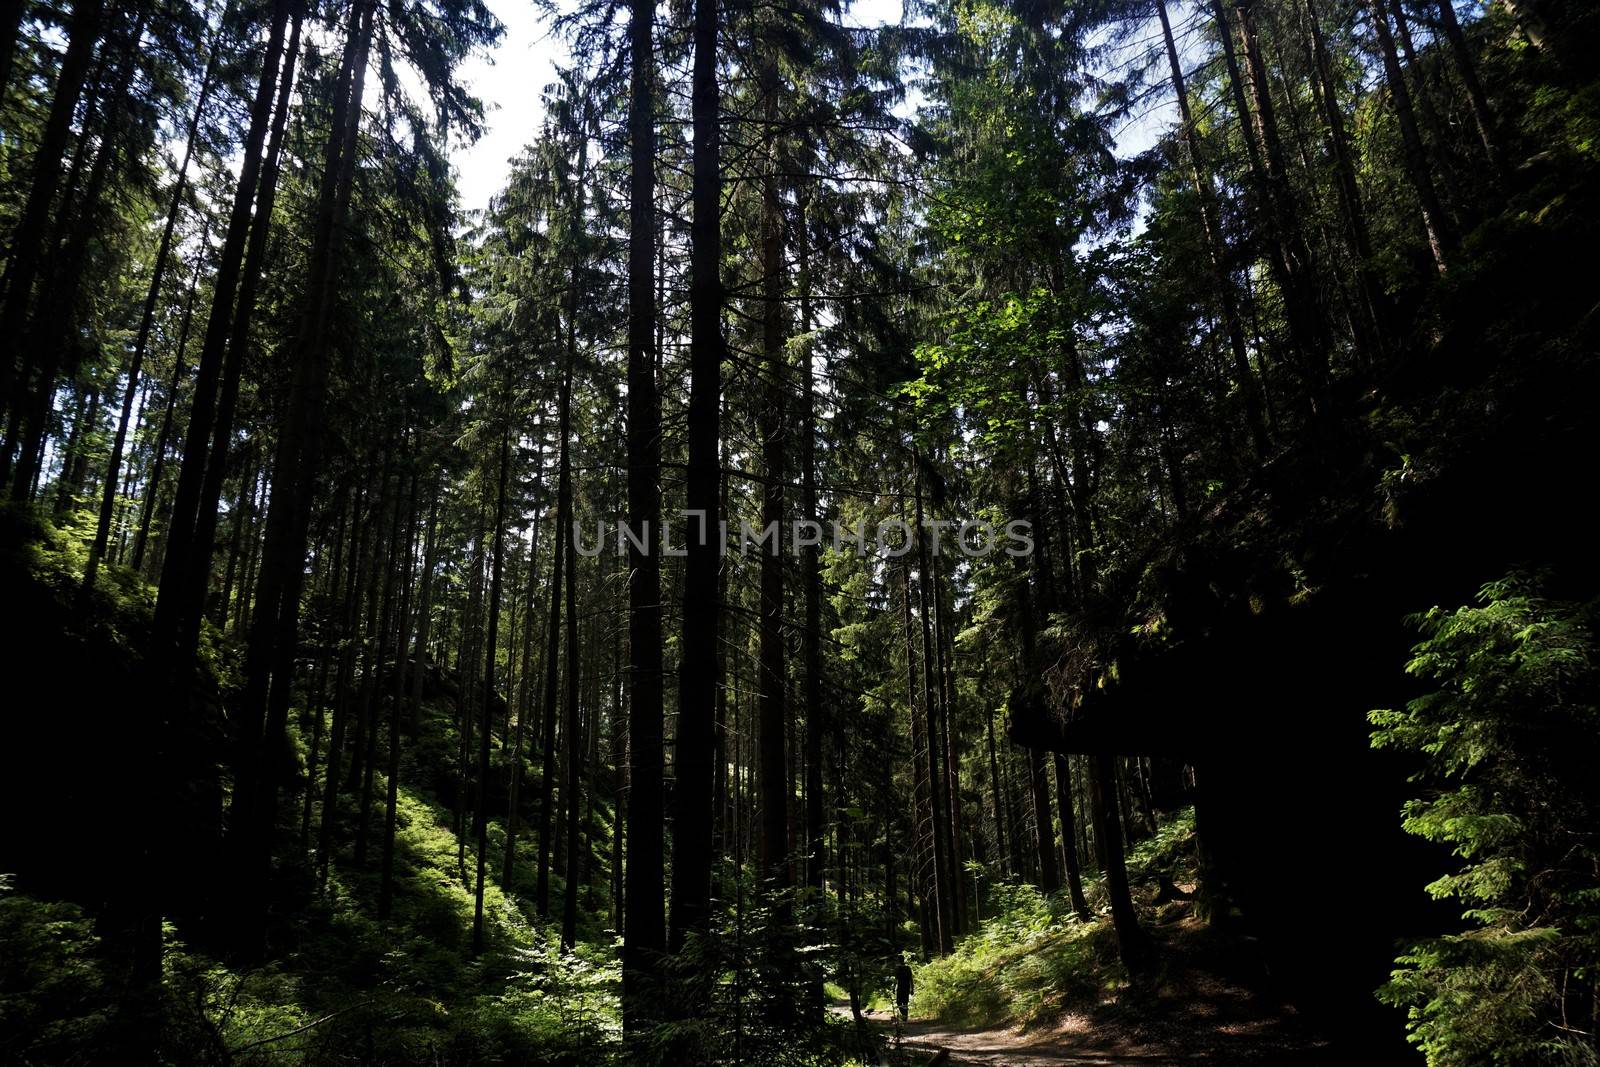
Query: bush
[(53, 1000), (1024, 964), (1508, 743)]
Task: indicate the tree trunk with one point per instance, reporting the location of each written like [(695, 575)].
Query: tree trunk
[(1482, 115), (572, 786), (933, 713), (1264, 202), (1435, 136), (644, 936), (341, 689), (146, 320), (1132, 942), (699, 669), (296, 465), (564, 531), (530, 673), (924, 871), (372, 697), (496, 568), (238, 332), (944, 664), (1416, 156), (341, 534), (179, 600), (51, 330), (244, 505), (1069, 838), (999, 806), (1216, 246), (28, 236), (775, 856), (552, 654), (1044, 829), (163, 436), (1294, 264), (816, 723), (430, 560), (397, 707), (11, 12), (1374, 303), (619, 783)]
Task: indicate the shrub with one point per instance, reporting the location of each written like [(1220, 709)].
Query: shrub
[(1508, 742)]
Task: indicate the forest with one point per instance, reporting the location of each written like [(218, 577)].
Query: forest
[(993, 531)]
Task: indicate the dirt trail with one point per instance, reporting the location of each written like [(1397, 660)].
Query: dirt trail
[(1012, 1049), (1208, 1005), (1002, 1046)]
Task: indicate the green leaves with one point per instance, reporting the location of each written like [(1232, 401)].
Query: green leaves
[(1505, 747)]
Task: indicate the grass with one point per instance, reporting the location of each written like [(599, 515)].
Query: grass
[(1021, 966), (1035, 957)]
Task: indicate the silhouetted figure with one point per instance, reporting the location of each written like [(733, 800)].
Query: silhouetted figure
[(902, 987)]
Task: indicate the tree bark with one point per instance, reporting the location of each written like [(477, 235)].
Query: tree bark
[(699, 669), (924, 870), (1132, 942), (933, 713), (565, 531), (1434, 222), (530, 673), (485, 726), (1044, 828), (644, 936), (572, 787), (1069, 839), (391, 805)]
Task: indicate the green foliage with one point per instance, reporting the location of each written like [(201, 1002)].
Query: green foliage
[(50, 980), (1169, 852), (1507, 744), (1023, 965), (216, 1014), (558, 1009)]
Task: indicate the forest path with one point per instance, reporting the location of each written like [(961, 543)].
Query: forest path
[(1210, 1003), (997, 1046)]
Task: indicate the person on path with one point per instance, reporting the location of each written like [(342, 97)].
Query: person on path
[(903, 984)]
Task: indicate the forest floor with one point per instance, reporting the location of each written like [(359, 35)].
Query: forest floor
[(1201, 1008)]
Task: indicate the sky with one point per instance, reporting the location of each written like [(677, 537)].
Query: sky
[(510, 80)]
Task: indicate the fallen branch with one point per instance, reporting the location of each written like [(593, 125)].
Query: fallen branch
[(297, 1030)]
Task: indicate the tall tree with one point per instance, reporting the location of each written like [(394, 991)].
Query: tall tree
[(644, 937), (27, 246), (699, 668), (1434, 222), (486, 725)]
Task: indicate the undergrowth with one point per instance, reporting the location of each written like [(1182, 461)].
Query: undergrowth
[(1034, 957)]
